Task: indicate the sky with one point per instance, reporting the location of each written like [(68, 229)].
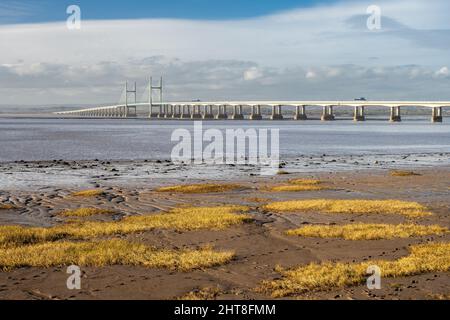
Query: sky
[(224, 50), (31, 11)]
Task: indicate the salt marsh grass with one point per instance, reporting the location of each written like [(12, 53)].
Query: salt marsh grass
[(86, 212), (403, 173), (432, 257), (367, 231), (108, 252), (200, 188), (182, 219), (89, 193), (406, 208), (7, 207)]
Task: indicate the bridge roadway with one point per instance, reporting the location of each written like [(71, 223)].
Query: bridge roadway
[(220, 109)]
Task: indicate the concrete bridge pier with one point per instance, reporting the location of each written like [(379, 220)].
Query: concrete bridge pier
[(358, 114), (185, 113), (437, 114), (176, 111), (256, 113), (154, 114), (327, 114), (161, 112), (237, 113), (167, 113), (151, 113), (196, 114), (208, 112), (276, 113), (222, 114), (300, 113), (395, 114)]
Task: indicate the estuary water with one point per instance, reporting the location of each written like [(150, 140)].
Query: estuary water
[(35, 139)]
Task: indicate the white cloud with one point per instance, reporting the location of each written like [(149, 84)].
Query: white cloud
[(310, 75), (328, 43), (252, 74), (443, 72)]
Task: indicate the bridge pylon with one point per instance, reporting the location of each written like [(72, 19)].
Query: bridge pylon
[(126, 114), (151, 88)]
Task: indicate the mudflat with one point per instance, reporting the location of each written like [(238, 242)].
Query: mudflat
[(260, 245)]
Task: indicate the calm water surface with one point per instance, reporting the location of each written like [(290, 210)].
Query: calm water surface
[(132, 139)]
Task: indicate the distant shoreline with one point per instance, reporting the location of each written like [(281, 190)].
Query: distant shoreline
[(32, 175)]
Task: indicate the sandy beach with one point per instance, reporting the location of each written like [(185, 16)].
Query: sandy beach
[(260, 244)]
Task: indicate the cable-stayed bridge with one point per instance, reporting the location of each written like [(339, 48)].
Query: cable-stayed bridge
[(161, 109)]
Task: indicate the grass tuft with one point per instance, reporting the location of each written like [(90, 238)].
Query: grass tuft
[(432, 257), (305, 181), (193, 218), (257, 200), (108, 252), (299, 185), (181, 219), (403, 173), (200, 188), (293, 188), (86, 212), (363, 231), (89, 193), (406, 208), (201, 294), (7, 207)]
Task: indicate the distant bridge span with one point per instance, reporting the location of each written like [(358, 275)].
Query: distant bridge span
[(220, 109)]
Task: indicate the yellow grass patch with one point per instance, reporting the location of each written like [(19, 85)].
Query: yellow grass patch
[(202, 294), (432, 257), (305, 181), (88, 193), (194, 218), (86, 212), (403, 173), (367, 231), (406, 208), (299, 187), (182, 219), (6, 207), (200, 188), (439, 296), (109, 252)]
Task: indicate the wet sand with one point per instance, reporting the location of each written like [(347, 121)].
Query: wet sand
[(260, 245)]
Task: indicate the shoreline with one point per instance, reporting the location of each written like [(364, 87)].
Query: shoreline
[(33, 175)]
